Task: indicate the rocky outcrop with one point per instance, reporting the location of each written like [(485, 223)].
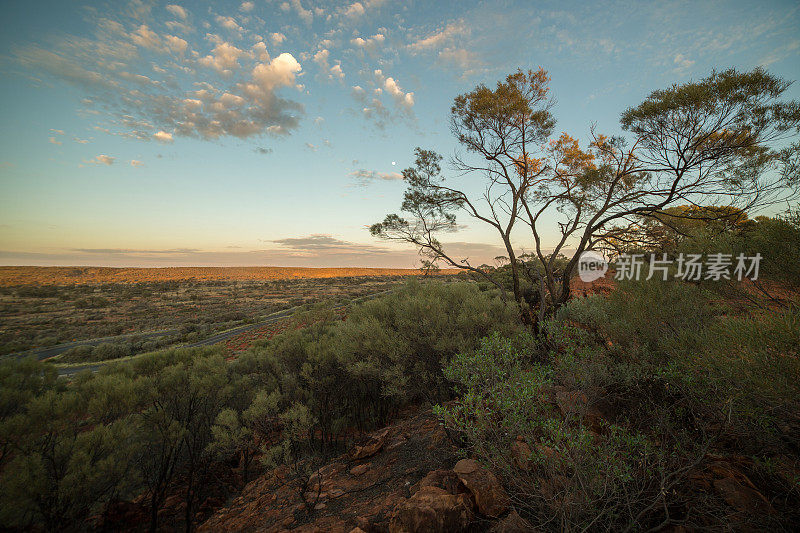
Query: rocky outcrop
[(490, 497), (725, 477), (400, 479), (373, 445), (432, 509), (382, 479)]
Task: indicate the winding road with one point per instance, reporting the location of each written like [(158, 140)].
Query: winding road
[(46, 353)]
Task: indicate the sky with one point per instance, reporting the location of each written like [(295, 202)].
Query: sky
[(139, 133)]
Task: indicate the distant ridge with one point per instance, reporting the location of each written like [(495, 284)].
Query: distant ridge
[(34, 275)]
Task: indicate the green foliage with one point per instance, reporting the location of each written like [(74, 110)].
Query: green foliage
[(61, 470), (738, 368), (92, 302), (564, 476), (778, 241), (160, 420), (636, 388)]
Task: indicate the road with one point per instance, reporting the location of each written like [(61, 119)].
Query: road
[(210, 341), (51, 351)]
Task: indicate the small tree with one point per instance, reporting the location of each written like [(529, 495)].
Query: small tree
[(725, 140), (429, 267)]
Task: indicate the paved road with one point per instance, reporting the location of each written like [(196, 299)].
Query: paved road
[(51, 351), (210, 341)]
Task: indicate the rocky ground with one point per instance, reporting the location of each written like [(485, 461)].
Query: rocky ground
[(410, 477), (407, 477)]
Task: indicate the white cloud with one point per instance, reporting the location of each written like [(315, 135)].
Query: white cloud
[(336, 72), (136, 163), (247, 6), (365, 177), (162, 98), (370, 43), (354, 10), (280, 72), (305, 15), (277, 38), (229, 23), (373, 109), (460, 58), (53, 140), (682, 63), (321, 58), (223, 57), (440, 37), (163, 136), (178, 11), (260, 51), (101, 160), (146, 38), (176, 44), (402, 98)]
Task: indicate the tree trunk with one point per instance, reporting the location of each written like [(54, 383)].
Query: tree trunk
[(154, 506), (189, 499)]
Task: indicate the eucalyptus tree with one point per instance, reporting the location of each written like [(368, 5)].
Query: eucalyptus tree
[(728, 139)]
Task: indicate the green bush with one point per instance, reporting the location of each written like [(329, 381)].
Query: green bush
[(674, 336), (560, 474), (92, 302), (659, 373)]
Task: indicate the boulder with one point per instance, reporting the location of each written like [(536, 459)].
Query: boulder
[(431, 509), (742, 495), (444, 479), (490, 497), (371, 447), (725, 475)]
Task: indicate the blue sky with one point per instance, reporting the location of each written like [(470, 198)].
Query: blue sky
[(274, 132)]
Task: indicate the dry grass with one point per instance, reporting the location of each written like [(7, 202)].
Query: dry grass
[(28, 275)]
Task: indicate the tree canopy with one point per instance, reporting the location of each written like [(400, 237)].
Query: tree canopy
[(726, 140)]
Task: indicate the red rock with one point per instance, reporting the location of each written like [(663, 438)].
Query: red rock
[(490, 496), (359, 469), (372, 447), (742, 497), (444, 479), (521, 455), (431, 509)]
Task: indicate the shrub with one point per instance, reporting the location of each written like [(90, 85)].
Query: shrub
[(92, 302), (559, 473), (659, 373), (672, 336)]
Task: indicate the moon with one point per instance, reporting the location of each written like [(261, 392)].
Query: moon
[(394, 163)]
